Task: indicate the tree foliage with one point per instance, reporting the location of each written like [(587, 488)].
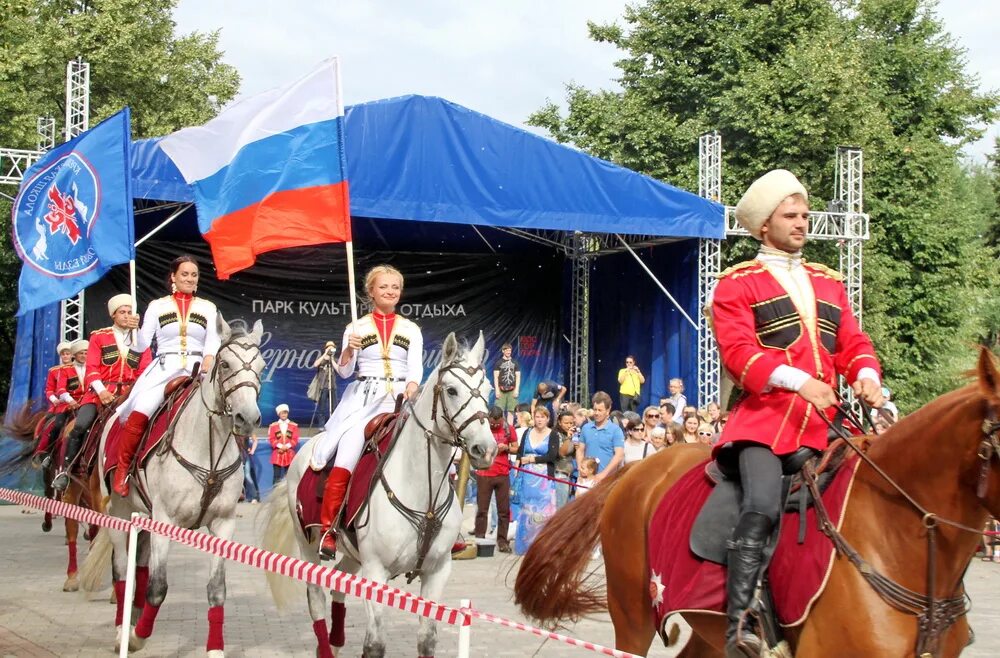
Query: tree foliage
[(136, 58), (787, 81)]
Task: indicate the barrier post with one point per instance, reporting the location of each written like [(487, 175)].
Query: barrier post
[(465, 630), (133, 549)]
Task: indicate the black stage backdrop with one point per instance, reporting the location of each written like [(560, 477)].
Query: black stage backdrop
[(301, 297)]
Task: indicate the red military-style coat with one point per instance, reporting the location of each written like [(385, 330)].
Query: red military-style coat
[(51, 386), (758, 328), (68, 381), (106, 363), (283, 444)]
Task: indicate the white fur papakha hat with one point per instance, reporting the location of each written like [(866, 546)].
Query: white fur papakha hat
[(65, 345), (763, 196), (118, 301), (280, 408), (79, 346)]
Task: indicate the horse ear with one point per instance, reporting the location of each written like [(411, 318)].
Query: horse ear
[(222, 327), (258, 331), (989, 375), (450, 348), (478, 350)]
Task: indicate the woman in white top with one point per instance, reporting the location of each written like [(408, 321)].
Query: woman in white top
[(636, 445), (386, 352), (184, 327)]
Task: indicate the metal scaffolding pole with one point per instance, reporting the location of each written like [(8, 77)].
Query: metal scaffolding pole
[(709, 264), (579, 340), (46, 129), (850, 194), (77, 122)]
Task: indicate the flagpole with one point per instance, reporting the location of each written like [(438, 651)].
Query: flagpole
[(135, 300), (349, 245)]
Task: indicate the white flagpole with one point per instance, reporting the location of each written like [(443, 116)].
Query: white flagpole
[(135, 300), (351, 283)]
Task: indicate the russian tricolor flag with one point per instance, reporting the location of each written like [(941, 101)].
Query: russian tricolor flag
[(269, 172)]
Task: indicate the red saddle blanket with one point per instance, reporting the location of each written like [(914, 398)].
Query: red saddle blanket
[(154, 430), (681, 581), (310, 490)]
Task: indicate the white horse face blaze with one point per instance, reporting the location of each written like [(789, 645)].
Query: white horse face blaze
[(458, 386)]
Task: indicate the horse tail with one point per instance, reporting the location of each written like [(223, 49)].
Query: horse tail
[(553, 582), (20, 425), (278, 536), (95, 569)]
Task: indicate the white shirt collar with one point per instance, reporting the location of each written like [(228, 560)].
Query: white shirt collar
[(778, 258)]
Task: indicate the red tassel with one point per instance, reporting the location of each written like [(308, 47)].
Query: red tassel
[(338, 612), (71, 569), (144, 627), (322, 639), (141, 583), (119, 601), (216, 616)]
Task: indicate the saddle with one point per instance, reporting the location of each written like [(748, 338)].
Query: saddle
[(718, 516), (379, 434)]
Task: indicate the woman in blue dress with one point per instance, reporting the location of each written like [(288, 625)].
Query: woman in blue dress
[(537, 453)]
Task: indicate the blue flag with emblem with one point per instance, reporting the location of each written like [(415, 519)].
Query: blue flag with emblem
[(72, 218)]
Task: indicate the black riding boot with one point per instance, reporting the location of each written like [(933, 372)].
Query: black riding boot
[(73, 442), (743, 561)]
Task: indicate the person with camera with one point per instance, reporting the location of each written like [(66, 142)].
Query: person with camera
[(323, 388), (630, 381)]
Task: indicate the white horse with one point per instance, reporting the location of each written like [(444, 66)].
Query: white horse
[(448, 415), (194, 479)]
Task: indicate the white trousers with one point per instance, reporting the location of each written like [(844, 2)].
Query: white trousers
[(344, 433), (147, 393)]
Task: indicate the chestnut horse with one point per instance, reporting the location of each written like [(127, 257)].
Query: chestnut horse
[(942, 458), (83, 489)]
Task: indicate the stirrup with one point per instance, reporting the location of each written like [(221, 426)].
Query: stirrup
[(328, 545), (746, 643), (60, 481)]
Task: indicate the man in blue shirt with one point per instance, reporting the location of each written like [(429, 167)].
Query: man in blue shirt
[(601, 439)]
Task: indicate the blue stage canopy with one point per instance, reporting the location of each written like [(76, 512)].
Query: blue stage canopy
[(422, 158)]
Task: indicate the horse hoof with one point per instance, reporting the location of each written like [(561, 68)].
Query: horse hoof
[(135, 642), (72, 584), (46, 525), (118, 638), (91, 533), (216, 653)]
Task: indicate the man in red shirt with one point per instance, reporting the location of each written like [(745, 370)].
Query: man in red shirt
[(496, 479), (785, 331)]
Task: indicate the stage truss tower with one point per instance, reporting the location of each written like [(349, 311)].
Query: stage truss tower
[(77, 122)]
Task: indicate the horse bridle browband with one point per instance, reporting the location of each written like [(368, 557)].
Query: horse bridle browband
[(934, 616)]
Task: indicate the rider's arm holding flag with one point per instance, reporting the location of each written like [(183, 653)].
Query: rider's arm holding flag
[(414, 363), (348, 360), (212, 340)]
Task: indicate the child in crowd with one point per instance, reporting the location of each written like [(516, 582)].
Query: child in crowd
[(588, 469)]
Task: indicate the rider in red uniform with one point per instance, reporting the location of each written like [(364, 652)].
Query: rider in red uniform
[(56, 409), (111, 367), (785, 331)]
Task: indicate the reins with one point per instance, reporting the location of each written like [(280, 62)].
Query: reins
[(934, 615)]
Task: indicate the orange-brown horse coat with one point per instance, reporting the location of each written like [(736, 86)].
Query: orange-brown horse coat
[(932, 454)]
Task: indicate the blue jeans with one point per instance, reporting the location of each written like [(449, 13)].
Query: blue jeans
[(250, 489), (562, 491)]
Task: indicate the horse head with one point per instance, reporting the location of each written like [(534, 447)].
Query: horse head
[(236, 373), (988, 426), (461, 390)]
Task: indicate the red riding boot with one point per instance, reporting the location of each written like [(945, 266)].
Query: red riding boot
[(135, 425), (333, 498)]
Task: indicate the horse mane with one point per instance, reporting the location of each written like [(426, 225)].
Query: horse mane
[(20, 425)]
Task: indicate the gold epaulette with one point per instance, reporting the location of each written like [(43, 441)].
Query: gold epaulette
[(102, 330), (736, 268), (273, 424), (55, 367), (292, 422), (823, 270)]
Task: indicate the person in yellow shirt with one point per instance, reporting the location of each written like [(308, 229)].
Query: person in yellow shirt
[(630, 380)]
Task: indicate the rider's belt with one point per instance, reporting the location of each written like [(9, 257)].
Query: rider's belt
[(180, 353), (365, 378)]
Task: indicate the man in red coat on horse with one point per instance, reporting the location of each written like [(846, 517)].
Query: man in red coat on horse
[(785, 331), (112, 367)]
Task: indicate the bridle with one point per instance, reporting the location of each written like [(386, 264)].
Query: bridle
[(934, 616), (428, 523), (212, 478)]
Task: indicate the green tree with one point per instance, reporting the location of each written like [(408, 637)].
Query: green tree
[(136, 58), (785, 82)]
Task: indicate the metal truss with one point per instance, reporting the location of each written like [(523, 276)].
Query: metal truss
[(582, 246), (14, 163), (77, 122), (850, 194), (822, 225), (709, 264), (46, 129)]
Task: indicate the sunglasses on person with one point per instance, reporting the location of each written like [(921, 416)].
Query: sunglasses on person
[(652, 415), (705, 433), (637, 429)]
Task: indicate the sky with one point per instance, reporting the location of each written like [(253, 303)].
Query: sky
[(504, 59)]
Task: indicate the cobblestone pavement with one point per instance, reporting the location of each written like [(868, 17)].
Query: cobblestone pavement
[(38, 619)]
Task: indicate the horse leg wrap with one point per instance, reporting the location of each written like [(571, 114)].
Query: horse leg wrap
[(119, 601), (338, 612), (216, 616), (141, 583), (71, 569), (322, 639), (144, 627)]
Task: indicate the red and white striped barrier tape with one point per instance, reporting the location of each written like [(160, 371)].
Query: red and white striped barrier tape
[(309, 572)]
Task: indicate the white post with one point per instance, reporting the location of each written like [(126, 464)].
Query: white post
[(349, 245), (464, 633), (133, 544)]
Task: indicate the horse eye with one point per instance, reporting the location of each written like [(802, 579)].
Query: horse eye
[(452, 390), (224, 365)]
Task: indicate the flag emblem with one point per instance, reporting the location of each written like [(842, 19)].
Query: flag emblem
[(54, 215)]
